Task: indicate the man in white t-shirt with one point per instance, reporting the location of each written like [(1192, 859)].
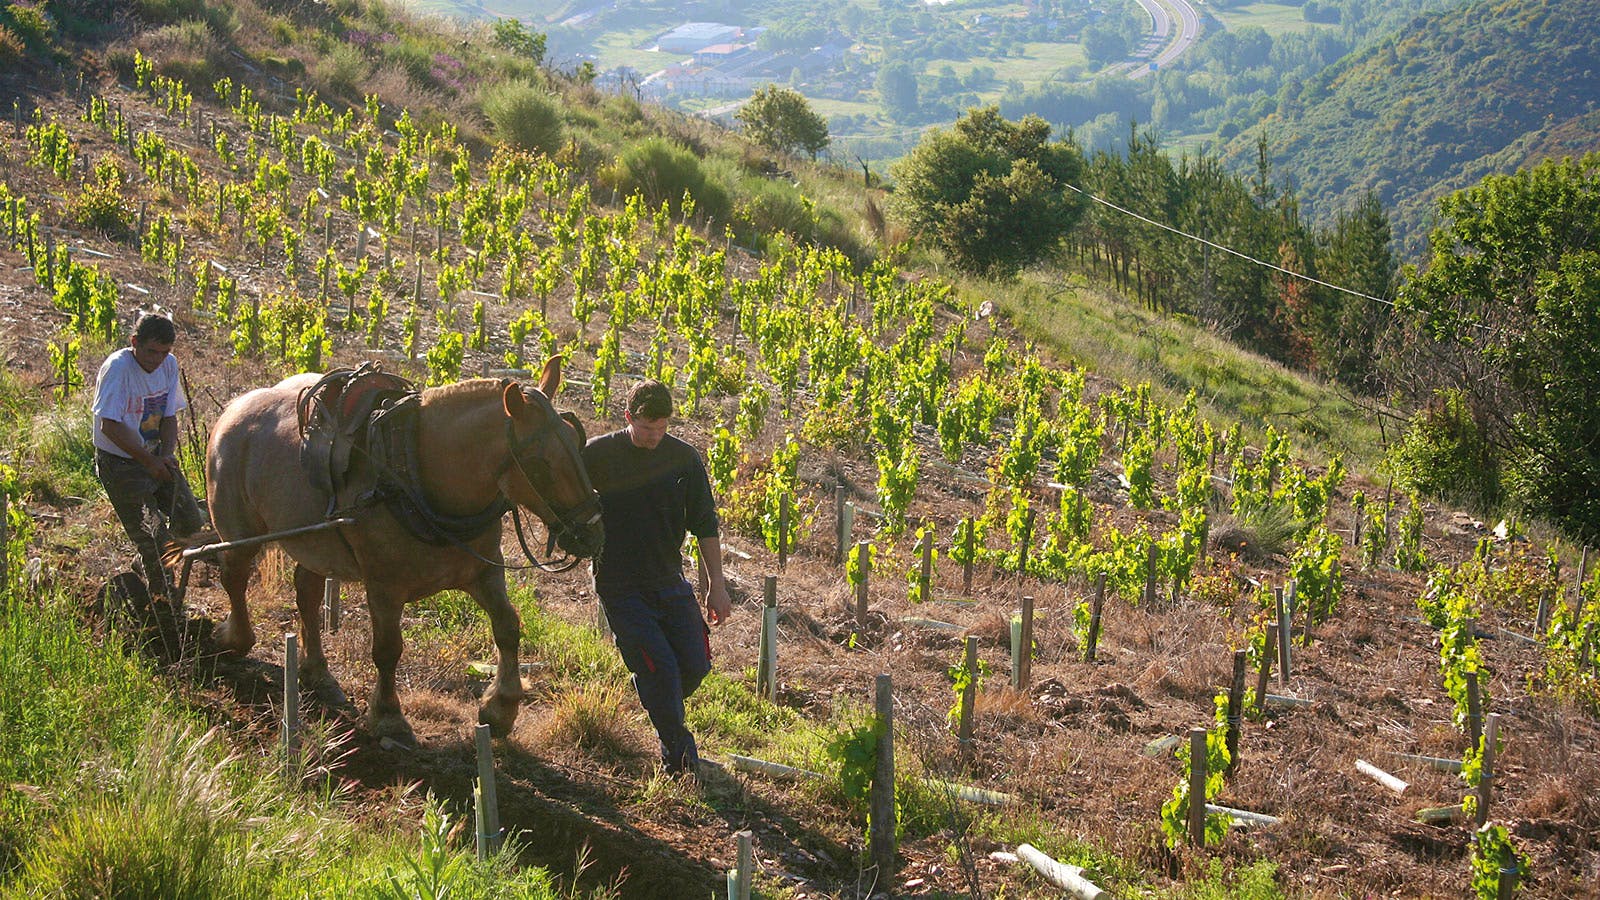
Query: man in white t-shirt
[(137, 397)]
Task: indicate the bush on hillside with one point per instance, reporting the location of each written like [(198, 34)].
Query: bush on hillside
[(164, 11), (524, 116), (341, 72), (663, 172), (187, 51), (1447, 454)]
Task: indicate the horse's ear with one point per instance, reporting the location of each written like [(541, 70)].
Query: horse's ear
[(550, 378), (512, 398)]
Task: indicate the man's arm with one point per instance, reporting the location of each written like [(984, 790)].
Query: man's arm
[(718, 604), (160, 468)]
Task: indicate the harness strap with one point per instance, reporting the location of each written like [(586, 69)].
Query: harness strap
[(392, 443)]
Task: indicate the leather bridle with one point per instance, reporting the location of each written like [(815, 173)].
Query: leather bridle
[(527, 455)]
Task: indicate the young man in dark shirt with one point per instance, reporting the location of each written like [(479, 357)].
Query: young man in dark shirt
[(654, 490)]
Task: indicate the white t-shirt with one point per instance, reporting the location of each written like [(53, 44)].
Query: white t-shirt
[(126, 393)]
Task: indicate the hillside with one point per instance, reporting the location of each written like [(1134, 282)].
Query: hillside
[(287, 231), (1457, 95)]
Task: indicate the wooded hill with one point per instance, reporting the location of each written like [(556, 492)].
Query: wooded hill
[(1454, 96)]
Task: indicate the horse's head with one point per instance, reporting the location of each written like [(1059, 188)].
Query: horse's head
[(546, 473)]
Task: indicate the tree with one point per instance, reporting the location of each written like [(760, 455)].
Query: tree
[(513, 35), (897, 87), (989, 192), (1510, 297), (1357, 254), (779, 118)]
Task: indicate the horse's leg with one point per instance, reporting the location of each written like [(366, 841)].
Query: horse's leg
[(504, 698), (313, 663), (384, 718), (235, 634)]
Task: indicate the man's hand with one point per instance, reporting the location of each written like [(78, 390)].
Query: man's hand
[(161, 468), (718, 605)]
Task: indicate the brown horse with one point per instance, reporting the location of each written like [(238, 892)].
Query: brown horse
[(478, 445)]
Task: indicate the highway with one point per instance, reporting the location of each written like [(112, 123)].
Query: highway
[(1165, 43)]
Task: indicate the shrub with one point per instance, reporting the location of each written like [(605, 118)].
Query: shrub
[(341, 71), (414, 58), (1447, 454), (33, 25), (768, 207), (185, 50), (101, 206), (524, 116), (11, 46), (163, 11), (664, 172)]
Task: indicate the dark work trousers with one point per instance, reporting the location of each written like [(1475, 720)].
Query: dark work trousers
[(666, 645), (147, 508)]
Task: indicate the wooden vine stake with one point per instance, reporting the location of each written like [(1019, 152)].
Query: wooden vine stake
[(1094, 617), (1267, 652), (767, 665), (1577, 601), (1152, 556), (485, 798), (330, 604), (783, 530), (1027, 540), (864, 560), (5, 539), (969, 691), (881, 840), (1491, 731), (1236, 707), (1197, 786), (925, 573), (739, 880)]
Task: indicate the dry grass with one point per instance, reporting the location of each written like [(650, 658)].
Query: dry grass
[(586, 717)]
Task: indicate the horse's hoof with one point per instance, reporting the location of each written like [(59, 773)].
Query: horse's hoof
[(499, 715), (394, 733), (228, 641), (327, 692)]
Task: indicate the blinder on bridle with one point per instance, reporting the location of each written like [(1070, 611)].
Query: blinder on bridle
[(536, 470)]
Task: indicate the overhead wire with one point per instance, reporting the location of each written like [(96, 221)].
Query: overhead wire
[(1229, 250)]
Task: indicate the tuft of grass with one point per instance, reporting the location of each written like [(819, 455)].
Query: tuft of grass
[(176, 823), (565, 653), (729, 713), (68, 700), (1264, 531), (667, 796), (586, 716), (1256, 881)]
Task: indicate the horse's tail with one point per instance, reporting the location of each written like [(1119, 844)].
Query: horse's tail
[(172, 553)]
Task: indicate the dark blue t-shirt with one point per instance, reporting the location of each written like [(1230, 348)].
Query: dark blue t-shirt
[(649, 500)]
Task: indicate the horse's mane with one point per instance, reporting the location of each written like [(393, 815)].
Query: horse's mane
[(463, 391)]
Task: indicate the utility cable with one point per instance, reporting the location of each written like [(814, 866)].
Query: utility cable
[(1230, 250)]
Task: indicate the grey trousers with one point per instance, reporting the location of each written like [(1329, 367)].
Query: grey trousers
[(147, 509)]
